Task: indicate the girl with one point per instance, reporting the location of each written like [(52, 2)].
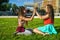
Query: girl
[(22, 19), (48, 22)]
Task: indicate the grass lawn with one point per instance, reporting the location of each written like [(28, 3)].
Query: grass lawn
[(8, 27)]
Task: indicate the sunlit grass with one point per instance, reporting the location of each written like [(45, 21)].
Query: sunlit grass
[(8, 27)]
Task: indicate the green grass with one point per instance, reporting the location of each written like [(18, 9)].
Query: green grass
[(8, 27)]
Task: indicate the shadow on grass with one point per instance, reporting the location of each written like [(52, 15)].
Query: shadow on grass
[(57, 29)]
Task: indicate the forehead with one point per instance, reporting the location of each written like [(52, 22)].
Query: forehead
[(47, 7), (44, 6)]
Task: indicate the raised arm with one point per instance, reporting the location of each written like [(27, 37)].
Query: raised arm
[(29, 19), (42, 17)]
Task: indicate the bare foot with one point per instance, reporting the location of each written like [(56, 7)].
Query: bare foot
[(45, 34)]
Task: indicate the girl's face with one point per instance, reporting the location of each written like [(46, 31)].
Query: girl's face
[(24, 11), (47, 9)]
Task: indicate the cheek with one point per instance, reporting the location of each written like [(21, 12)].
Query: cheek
[(47, 10), (24, 11)]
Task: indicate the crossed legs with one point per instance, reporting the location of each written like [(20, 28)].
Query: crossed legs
[(37, 31)]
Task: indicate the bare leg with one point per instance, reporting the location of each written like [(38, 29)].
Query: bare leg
[(37, 31)]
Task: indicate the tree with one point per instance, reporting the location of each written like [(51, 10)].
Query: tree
[(8, 6), (3, 1), (14, 7), (3, 4)]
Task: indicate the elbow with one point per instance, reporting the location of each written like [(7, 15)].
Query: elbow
[(40, 17), (30, 19), (43, 18)]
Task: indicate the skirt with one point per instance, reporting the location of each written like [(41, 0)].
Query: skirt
[(49, 28)]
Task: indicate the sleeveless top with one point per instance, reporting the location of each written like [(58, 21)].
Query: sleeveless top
[(48, 21), (21, 22)]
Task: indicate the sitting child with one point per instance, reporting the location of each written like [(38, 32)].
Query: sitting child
[(22, 20), (48, 22)]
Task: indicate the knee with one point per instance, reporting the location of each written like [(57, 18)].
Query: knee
[(34, 30)]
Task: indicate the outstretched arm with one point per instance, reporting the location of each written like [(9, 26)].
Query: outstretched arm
[(42, 17), (28, 19)]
